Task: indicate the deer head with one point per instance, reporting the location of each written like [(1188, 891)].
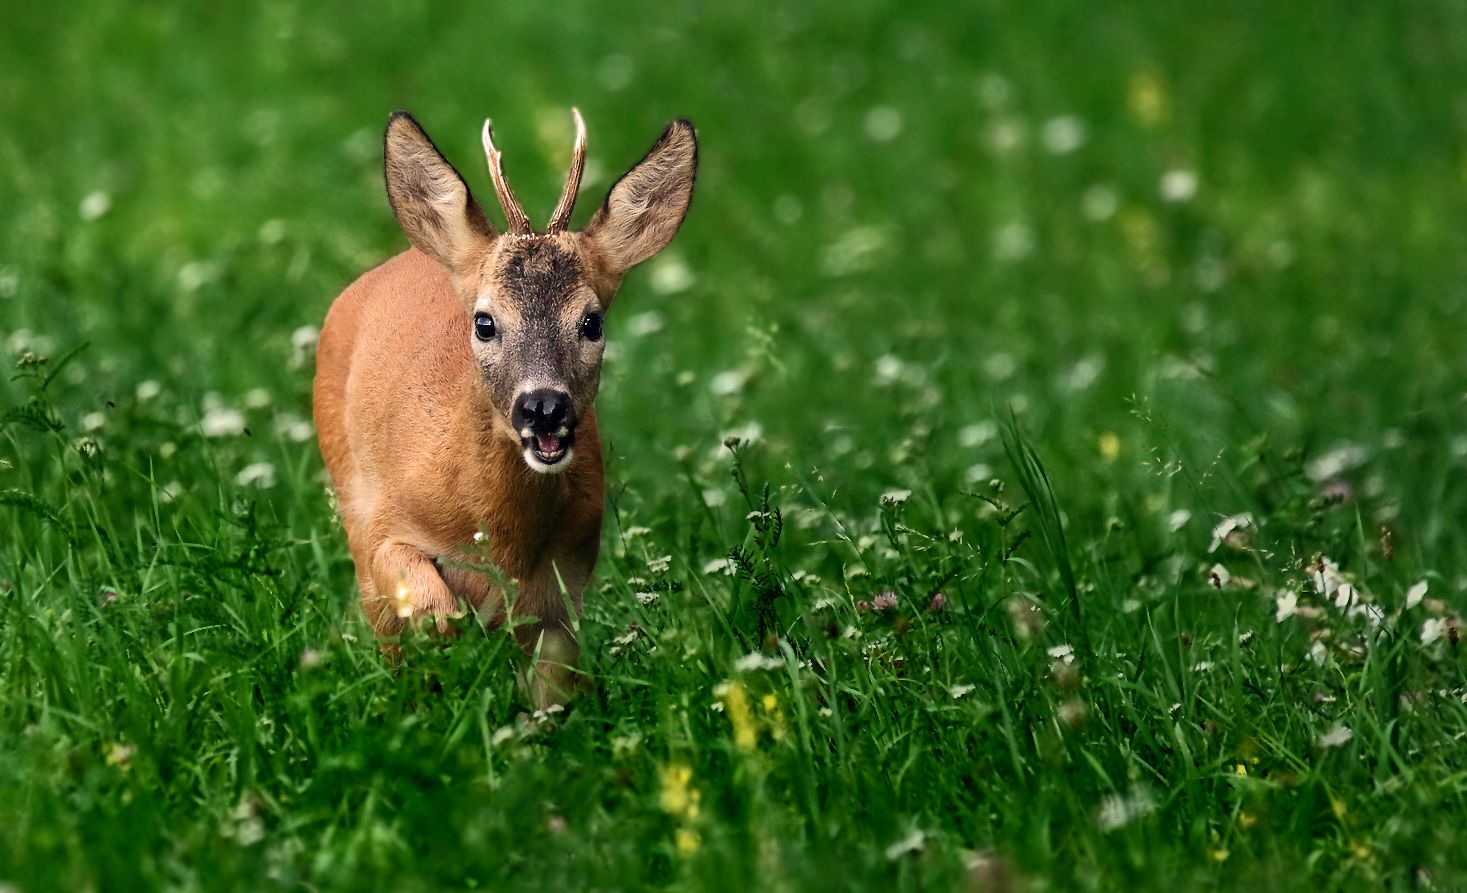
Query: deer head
[(535, 302)]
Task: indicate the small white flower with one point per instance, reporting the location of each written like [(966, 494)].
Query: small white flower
[(1227, 527), (304, 338), (720, 566), (895, 497), (632, 533), (660, 565), (147, 390), (95, 206), (647, 598), (1178, 185), (1013, 241), (1119, 810), (957, 691), (221, 421), (1063, 135), (1433, 629), (756, 661), (1337, 736), (727, 383), (644, 324), (1062, 653), (977, 434), (478, 536), (670, 275), (1339, 459), (1202, 666), (1099, 203), (889, 368), (1286, 605), (912, 843), (1415, 594), (1219, 576), (1178, 519), (883, 123), (257, 398), (1318, 653), (92, 421), (256, 474)]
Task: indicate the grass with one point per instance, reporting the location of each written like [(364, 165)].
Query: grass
[(1012, 304)]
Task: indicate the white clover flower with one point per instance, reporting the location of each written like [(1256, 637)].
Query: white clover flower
[(644, 324), (977, 434), (883, 123), (1064, 653), (1433, 629), (1099, 203), (671, 275), (1228, 526), (95, 206), (1063, 135), (1337, 736), (221, 421), (912, 843), (1119, 810), (757, 661), (1415, 594), (256, 474), (1178, 185), (720, 566), (1013, 241), (1339, 459)]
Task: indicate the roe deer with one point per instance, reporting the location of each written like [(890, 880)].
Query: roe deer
[(454, 388)]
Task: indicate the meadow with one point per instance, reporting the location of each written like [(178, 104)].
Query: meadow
[(1039, 463)]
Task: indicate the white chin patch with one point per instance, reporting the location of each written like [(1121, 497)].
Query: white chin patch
[(556, 467)]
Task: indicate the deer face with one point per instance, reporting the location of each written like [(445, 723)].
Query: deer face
[(535, 302)]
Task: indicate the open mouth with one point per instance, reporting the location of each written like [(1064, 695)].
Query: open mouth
[(547, 452)]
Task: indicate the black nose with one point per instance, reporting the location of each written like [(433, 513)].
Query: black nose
[(545, 411)]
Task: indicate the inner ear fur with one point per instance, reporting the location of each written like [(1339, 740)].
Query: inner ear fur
[(643, 209), (429, 197)]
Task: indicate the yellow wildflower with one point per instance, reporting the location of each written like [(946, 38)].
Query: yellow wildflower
[(687, 841), (736, 706), (1147, 98), (770, 703), (679, 797), (1110, 446)]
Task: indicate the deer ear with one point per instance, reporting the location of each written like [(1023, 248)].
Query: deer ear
[(646, 206), (432, 203)]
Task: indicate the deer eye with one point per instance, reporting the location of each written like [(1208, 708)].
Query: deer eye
[(591, 326), (484, 328)]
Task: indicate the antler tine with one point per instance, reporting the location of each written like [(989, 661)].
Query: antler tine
[(560, 219), (514, 215)]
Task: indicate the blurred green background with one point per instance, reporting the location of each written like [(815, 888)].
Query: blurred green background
[(1212, 256)]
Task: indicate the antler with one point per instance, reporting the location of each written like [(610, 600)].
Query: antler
[(514, 215), (560, 219)]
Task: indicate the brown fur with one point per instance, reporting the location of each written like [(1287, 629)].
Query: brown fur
[(412, 415)]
